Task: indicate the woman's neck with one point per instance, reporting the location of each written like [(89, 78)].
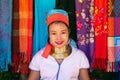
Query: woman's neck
[(60, 53)]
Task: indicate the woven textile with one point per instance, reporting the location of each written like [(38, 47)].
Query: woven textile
[(5, 33), (113, 36), (85, 29), (40, 36), (22, 35)]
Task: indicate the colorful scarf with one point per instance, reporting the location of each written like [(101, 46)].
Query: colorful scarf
[(113, 36), (117, 42), (100, 25), (85, 29), (40, 36), (5, 33), (22, 35)]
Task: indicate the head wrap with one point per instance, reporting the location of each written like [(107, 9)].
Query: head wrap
[(57, 15)]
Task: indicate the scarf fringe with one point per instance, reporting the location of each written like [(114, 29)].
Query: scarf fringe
[(21, 62), (113, 66), (110, 67), (117, 66), (100, 64)]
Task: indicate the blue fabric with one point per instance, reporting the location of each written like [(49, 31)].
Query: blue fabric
[(40, 36), (73, 43), (54, 11), (5, 33)]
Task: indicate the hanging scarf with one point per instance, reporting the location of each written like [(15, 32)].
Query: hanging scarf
[(85, 29), (22, 35), (40, 36), (5, 33), (117, 43), (113, 36), (110, 38), (110, 44), (100, 25), (117, 34)]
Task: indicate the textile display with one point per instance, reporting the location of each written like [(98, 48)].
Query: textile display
[(40, 35), (22, 35), (94, 26), (85, 29), (5, 33)]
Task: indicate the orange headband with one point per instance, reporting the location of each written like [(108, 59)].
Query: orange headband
[(57, 17)]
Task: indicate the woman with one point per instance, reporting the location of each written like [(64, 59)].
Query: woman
[(59, 60)]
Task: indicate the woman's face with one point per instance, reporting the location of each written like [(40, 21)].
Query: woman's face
[(59, 34)]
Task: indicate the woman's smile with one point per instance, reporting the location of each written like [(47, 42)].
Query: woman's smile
[(59, 42)]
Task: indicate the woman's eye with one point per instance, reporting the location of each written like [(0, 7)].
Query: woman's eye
[(53, 33), (63, 32)]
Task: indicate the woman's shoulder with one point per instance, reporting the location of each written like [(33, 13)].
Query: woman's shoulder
[(77, 51)]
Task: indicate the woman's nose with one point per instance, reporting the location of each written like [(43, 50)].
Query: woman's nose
[(58, 37)]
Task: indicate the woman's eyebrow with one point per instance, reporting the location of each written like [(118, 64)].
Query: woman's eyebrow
[(52, 31)]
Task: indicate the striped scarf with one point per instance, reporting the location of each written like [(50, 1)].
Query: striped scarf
[(22, 35), (113, 36), (5, 33)]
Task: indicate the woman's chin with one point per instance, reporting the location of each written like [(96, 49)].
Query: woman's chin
[(59, 46)]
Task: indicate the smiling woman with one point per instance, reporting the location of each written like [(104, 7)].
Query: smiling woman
[(59, 60), (59, 34)]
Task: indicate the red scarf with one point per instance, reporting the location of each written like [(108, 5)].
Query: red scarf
[(100, 25), (22, 35)]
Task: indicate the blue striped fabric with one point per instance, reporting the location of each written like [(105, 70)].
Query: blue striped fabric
[(5, 33)]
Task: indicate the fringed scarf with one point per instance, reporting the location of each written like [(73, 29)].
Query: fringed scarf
[(22, 35), (117, 34), (110, 44), (85, 29), (100, 25), (5, 33), (113, 36), (40, 36), (117, 42), (110, 38)]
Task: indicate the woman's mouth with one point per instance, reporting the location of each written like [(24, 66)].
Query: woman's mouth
[(59, 42)]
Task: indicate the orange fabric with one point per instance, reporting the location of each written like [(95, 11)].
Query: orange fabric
[(23, 25), (47, 51), (25, 33), (111, 49), (23, 38), (110, 26), (58, 17)]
